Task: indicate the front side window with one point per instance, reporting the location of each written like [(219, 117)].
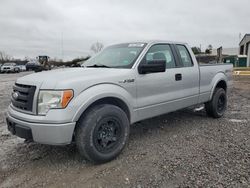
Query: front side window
[(117, 56), (161, 52), (186, 59)]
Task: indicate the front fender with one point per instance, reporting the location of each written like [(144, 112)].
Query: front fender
[(94, 93)]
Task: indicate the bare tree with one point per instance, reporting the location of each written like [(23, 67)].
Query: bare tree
[(4, 57), (27, 58), (97, 47)]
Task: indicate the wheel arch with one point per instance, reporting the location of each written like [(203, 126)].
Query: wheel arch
[(104, 94), (221, 83), (110, 100)]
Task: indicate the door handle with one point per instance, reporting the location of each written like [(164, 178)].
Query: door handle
[(178, 77)]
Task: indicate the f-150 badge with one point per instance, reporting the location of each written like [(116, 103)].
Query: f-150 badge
[(127, 81)]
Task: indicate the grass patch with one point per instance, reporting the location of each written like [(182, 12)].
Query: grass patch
[(241, 68)]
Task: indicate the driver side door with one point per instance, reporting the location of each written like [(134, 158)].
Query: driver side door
[(158, 93)]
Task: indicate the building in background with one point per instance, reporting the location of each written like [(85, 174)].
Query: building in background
[(238, 56), (236, 60), (220, 55), (244, 49), (227, 51)]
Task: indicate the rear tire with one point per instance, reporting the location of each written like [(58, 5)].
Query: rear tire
[(218, 105), (102, 133)]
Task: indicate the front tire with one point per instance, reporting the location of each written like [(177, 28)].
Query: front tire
[(16, 70), (217, 106), (102, 133)]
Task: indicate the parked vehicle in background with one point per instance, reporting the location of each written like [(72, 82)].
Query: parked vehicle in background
[(44, 63), (125, 83), (10, 68), (32, 65), (21, 67), (40, 64)]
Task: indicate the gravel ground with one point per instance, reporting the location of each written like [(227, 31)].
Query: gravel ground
[(180, 149)]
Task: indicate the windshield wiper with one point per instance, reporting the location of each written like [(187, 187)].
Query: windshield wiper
[(99, 65)]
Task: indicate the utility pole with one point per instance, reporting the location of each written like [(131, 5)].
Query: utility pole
[(62, 53), (200, 55)]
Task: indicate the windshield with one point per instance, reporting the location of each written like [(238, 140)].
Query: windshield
[(116, 56)]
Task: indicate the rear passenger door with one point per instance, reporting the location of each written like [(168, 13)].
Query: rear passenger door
[(189, 71)]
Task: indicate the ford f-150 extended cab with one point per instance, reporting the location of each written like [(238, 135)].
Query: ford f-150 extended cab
[(94, 105)]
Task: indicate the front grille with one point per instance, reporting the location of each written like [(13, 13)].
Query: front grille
[(22, 96)]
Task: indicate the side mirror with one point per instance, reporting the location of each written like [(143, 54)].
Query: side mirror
[(152, 67)]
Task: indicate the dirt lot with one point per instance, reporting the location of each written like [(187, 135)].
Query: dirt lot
[(181, 149)]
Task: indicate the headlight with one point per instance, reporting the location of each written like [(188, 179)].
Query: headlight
[(50, 99)]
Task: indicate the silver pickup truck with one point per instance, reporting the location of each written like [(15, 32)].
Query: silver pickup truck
[(94, 105)]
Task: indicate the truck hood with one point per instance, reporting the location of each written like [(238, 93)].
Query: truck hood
[(74, 78)]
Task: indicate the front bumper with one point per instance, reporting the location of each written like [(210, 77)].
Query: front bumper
[(44, 133), (7, 70)]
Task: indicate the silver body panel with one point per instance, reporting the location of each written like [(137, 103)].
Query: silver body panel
[(147, 96)]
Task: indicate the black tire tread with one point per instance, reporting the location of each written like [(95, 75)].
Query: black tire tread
[(209, 106), (84, 121), (84, 128)]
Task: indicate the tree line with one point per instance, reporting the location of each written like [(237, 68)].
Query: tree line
[(197, 50), (95, 48)]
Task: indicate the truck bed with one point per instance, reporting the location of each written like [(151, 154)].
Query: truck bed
[(209, 74)]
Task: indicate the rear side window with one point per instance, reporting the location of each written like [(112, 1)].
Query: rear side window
[(186, 59), (161, 52)]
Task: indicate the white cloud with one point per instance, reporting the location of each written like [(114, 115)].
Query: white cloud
[(33, 27)]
